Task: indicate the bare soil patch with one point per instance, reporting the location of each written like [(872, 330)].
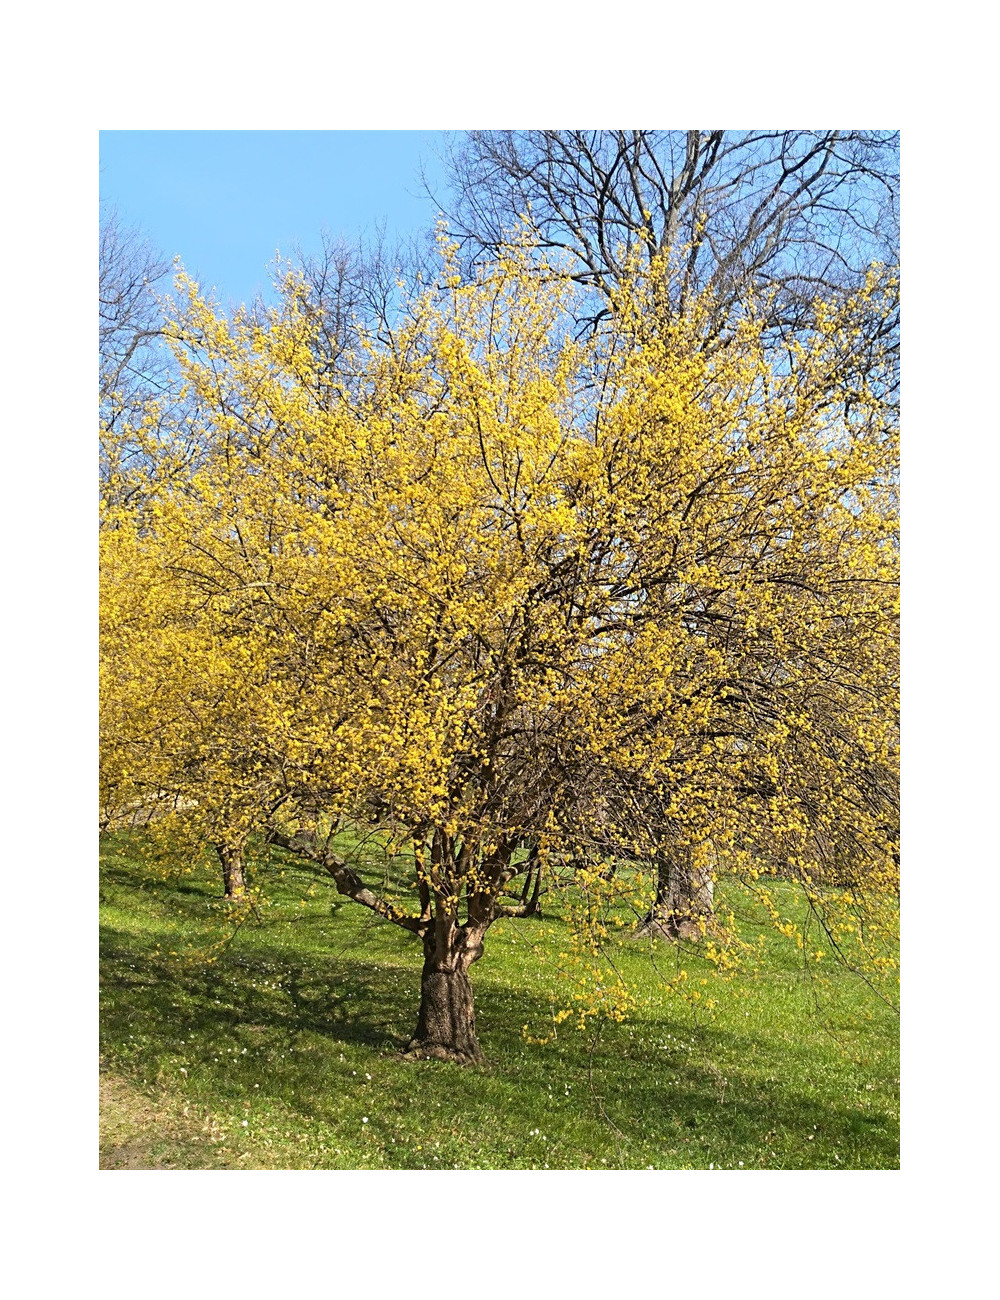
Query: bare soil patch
[(143, 1128)]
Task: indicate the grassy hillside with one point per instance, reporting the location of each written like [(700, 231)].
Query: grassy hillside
[(282, 1051)]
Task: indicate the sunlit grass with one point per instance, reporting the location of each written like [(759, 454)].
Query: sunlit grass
[(283, 1051)]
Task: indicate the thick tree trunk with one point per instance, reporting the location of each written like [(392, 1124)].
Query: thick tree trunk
[(233, 879), (684, 898), (446, 1025)]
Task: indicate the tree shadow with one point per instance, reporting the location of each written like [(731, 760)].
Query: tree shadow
[(272, 1004)]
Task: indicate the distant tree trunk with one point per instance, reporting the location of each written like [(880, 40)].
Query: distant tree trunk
[(233, 878), (684, 898), (446, 1025), (532, 886), (534, 907)]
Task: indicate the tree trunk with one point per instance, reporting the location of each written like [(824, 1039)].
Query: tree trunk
[(531, 890), (233, 879), (684, 898), (446, 1025)]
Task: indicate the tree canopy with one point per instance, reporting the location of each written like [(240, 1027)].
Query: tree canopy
[(520, 598)]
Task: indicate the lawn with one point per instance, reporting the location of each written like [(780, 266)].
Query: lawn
[(282, 1051)]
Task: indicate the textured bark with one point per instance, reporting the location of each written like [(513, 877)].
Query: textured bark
[(446, 1025), (233, 878), (684, 903)]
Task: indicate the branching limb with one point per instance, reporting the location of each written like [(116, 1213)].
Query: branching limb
[(348, 882)]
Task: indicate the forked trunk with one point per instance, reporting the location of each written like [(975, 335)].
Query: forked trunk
[(233, 879), (446, 1025), (684, 903)]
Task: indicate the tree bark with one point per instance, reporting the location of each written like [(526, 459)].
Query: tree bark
[(233, 878), (684, 904), (446, 1025)]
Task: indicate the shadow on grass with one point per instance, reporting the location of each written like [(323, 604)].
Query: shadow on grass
[(306, 1009), (749, 1094), (292, 1024), (229, 997)]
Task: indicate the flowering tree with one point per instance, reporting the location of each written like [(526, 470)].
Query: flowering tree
[(518, 597)]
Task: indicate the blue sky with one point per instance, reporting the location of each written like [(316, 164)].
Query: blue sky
[(225, 201)]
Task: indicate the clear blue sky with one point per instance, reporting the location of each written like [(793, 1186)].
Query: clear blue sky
[(225, 201)]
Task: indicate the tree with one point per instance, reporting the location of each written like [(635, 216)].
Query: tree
[(790, 217), (353, 287), (182, 728), (133, 370), (782, 218), (512, 589), (129, 316)]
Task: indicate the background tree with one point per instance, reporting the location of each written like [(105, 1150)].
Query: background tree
[(184, 708), (133, 366), (788, 217)]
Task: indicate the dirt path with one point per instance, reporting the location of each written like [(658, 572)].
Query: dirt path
[(141, 1128)]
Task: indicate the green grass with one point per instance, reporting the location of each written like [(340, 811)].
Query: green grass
[(284, 1052)]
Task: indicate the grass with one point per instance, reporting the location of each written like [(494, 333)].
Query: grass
[(283, 1052)]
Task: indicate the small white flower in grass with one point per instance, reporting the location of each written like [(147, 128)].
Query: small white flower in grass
[(244, 1122), (364, 1119)]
